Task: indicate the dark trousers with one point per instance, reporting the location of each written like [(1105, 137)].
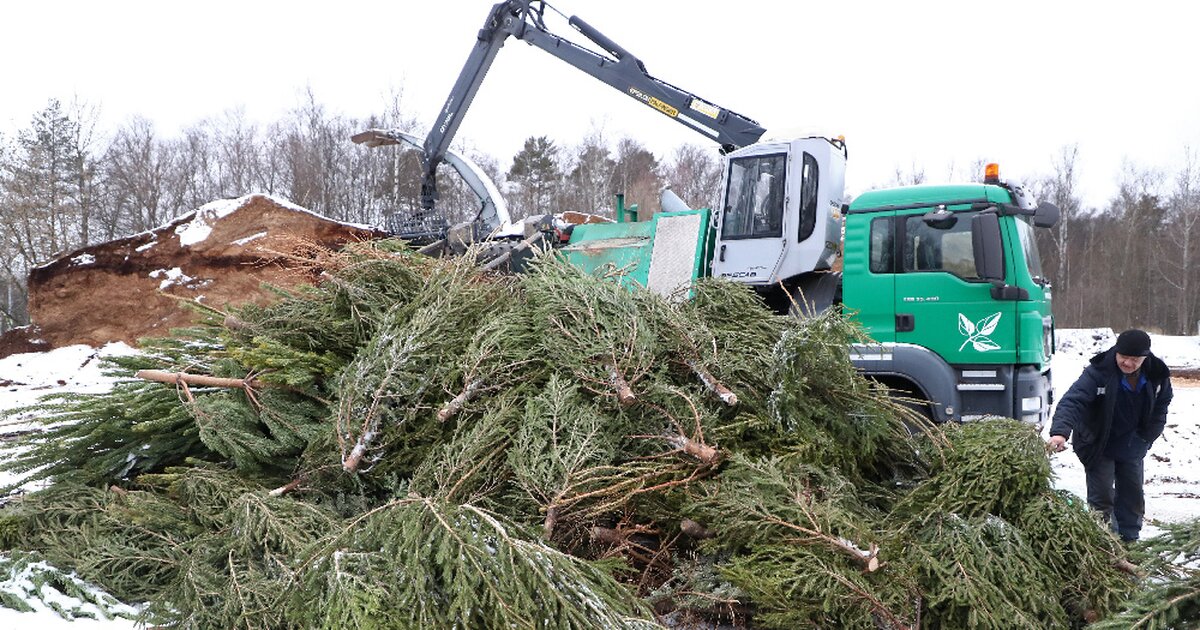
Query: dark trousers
[(1114, 489)]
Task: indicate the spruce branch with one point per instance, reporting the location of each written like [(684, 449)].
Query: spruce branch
[(707, 455), (723, 393), (625, 394), (867, 559), (893, 622), (287, 488), (472, 390), (183, 379)]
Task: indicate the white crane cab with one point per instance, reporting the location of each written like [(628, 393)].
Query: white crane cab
[(781, 210)]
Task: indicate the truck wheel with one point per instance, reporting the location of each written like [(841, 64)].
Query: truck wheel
[(914, 404), (919, 408)]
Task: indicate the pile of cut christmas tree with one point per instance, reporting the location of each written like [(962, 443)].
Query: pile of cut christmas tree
[(414, 443)]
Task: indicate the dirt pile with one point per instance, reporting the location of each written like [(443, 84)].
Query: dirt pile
[(132, 288)]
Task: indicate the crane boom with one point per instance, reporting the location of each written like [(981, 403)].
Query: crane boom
[(523, 19)]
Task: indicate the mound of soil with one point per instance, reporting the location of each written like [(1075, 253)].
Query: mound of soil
[(20, 341), (131, 288)]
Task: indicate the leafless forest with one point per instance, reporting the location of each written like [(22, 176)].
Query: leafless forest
[(66, 182)]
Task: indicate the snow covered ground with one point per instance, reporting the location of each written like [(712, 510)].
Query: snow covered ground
[(24, 378), (1172, 473)]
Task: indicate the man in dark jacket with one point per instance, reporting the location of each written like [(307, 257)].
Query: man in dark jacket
[(1116, 410)]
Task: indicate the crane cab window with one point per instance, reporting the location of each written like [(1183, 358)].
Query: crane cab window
[(756, 196), (945, 249), (811, 176)]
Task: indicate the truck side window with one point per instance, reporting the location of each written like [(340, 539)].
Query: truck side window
[(927, 248), (755, 199), (883, 254), (811, 178)]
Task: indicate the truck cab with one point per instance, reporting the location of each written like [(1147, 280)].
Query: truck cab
[(948, 281), (945, 279)]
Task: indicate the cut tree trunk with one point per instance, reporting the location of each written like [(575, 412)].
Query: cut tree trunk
[(176, 378)]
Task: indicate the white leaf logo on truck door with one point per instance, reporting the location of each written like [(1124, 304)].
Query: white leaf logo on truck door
[(977, 332)]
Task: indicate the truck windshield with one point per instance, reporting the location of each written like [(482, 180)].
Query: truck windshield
[(755, 197), (1033, 259)]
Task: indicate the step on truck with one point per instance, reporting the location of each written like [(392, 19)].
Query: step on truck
[(945, 279)]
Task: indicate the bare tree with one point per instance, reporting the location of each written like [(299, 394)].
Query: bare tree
[(137, 169), (1138, 212), (694, 173), (82, 153), (1178, 268), (1060, 189), (973, 173), (237, 145), (590, 177), (194, 181), (914, 175)]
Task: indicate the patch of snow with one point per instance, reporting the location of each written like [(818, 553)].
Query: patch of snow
[(142, 248), (46, 601), (198, 227), (1084, 342), (72, 368), (193, 232), (30, 376), (172, 276), (252, 237), (83, 259)]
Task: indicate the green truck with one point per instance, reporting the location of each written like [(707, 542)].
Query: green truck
[(946, 280)]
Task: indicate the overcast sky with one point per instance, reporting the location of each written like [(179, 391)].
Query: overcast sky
[(932, 85)]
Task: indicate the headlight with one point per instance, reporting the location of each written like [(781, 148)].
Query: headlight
[(1031, 403)]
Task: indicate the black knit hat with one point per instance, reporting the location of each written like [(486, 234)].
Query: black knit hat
[(1133, 343)]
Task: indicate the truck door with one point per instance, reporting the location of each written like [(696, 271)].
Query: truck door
[(751, 238), (869, 271), (941, 303)]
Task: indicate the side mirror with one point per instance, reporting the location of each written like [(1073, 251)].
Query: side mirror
[(987, 247), (1046, 215)]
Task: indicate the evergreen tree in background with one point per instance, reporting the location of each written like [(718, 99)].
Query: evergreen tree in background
[(636, 175), (536, 178), (48, 180), (42, 181), (590, 177)]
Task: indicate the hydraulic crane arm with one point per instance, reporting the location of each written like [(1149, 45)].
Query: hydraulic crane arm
[(523, 19)]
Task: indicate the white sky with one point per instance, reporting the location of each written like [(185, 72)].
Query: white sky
[(935, 84)]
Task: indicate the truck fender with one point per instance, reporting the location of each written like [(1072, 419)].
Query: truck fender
[(896, 364), (814, 292)]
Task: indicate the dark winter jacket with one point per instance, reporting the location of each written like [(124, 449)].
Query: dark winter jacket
[(1087, 408)]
